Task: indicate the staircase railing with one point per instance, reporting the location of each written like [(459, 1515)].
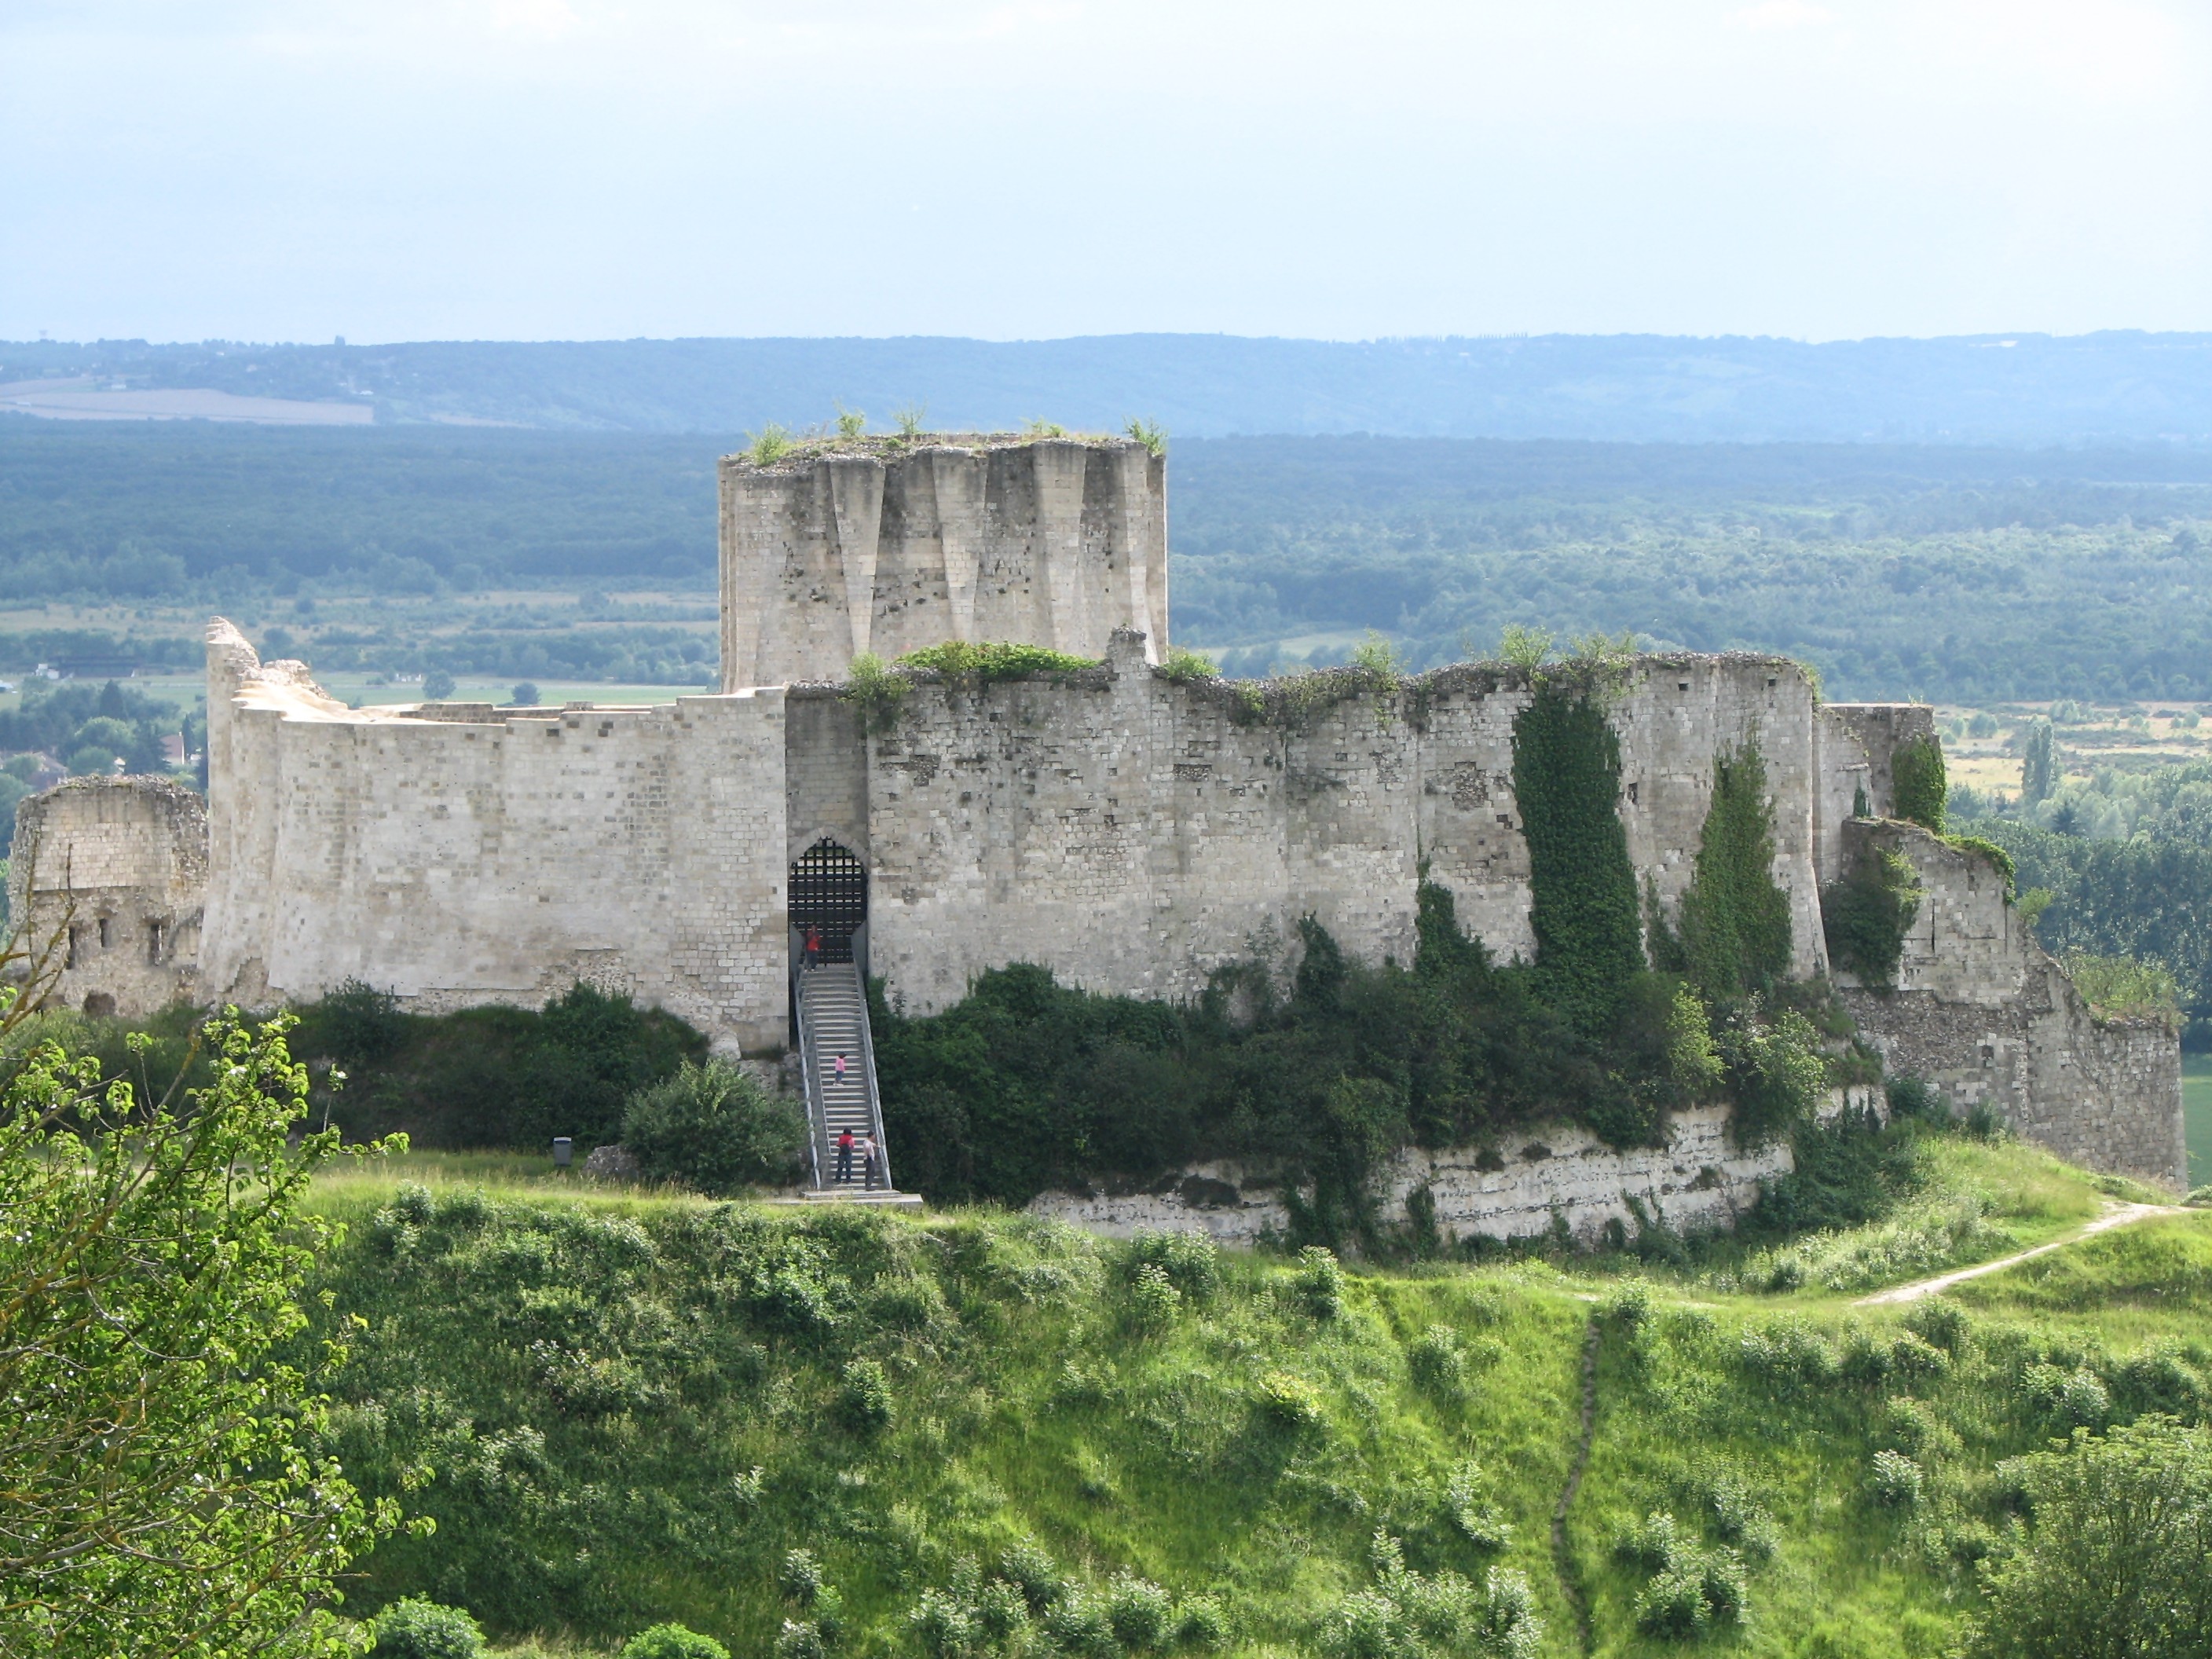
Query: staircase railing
[(818, 1112), (868, 1072), (819, 1155)]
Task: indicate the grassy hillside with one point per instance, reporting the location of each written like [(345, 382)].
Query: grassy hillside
[(630, 1407)]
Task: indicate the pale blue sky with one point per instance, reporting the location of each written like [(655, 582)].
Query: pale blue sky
[(395, 169)]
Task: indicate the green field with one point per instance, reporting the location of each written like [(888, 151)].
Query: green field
[(2197, 1113), (637, 1404)]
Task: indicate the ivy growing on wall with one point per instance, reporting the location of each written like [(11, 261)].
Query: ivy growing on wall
[(1566, 777), (1917, 780), (1867, 914), (1734, 937)]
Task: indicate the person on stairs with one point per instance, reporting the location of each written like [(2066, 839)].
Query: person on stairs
[(868, 1165), (844, 1158), (814, 947), (838, 1070)]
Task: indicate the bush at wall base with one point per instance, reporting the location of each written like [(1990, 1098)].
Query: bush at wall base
[(712, 1128)]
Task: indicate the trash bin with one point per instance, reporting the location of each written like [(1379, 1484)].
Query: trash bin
[(564, 1151)]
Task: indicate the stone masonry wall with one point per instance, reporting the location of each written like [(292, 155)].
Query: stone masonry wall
[(889, 547), (112, 872), (497, 857), (1983, 1013), (1856, 741), (1134, 834)]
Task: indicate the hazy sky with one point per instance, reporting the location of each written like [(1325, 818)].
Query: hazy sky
[(395, 169)]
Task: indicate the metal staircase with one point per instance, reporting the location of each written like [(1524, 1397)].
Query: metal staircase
[(832, 1007)]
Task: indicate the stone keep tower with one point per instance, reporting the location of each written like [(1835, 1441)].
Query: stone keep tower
[(890, 545)]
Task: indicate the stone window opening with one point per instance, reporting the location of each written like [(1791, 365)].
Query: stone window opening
[(73, 947), (103, 933), (153, 943)]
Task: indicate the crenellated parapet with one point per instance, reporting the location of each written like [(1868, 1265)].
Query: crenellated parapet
[(891, 545)]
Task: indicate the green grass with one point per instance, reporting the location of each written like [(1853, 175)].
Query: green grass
[(2197, 1115), (593, 1377), (357, 1188)]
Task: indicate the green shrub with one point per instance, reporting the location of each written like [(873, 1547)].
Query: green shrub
[(2112, 1559), (1789, 1354), (1292, 1402), (993, 660), (491, 1077), (1150, 433), (1031, 1570), (1191, 1261), (1153, 1300), (712, 1127), (1524, 647), (1776, 1074), (944, 1626), (2078, 1398), (1913, 1099), (1691, 1587), (769, 445), (1140, 1612), (800, 1579), (413, 1628), (1182, 665), (875, 691), (1742, 1520), (1320, 1283), (863, 1404), (1916, 781), (1078, 1623), (1202, 1622), (1895, 1479), (1472, 1512), (1025, 1084), (1437, 1362), (673, 1642)]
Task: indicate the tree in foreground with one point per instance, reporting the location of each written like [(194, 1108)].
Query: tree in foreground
[(2112, 1564), (159, 1491)]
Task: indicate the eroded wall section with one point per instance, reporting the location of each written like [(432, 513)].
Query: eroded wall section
[(107, 881), (1980, 1009)]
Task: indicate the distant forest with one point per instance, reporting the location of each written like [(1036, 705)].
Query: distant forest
[(2021, 390), (1972, 575)]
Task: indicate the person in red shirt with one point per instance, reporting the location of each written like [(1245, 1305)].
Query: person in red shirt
[(844, 1157)]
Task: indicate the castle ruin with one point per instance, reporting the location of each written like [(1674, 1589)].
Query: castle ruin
[(1130, 828)]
